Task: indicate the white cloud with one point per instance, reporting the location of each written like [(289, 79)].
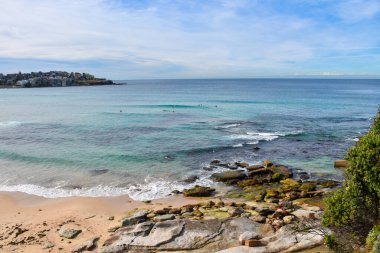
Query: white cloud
[(168, 38)]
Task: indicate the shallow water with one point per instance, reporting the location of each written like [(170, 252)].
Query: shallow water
[(143, 138)]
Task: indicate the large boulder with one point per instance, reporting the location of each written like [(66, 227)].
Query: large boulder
[(341, 164), (282, 170), (135, 218), (198, 191), (228, 176), (202, 236), (285, 240), (69, 233), (289, 184)]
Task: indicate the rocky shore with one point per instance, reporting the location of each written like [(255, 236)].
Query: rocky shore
[(262, 214), (268, 209), (50, 79)]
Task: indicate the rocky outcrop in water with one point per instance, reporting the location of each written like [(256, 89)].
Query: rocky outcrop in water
[(50, 79)]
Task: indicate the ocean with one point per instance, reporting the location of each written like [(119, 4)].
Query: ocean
[(144, 138)]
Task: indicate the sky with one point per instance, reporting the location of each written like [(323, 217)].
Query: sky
[(147, 39)]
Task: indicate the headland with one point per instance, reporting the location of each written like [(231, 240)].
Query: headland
[(50, 79)]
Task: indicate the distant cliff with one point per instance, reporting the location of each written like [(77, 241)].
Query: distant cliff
[(50, 79)]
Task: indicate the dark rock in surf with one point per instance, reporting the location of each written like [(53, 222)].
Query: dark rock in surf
[(190, 179), (228, 176), (198, 191)]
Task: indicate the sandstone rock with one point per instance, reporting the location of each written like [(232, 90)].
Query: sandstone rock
[(161, 211), (255, 167), (113, 228), (304, 214), (252, 243), (248, 235), (327, 183), (187, 215), (242, 164), (201, 236), (341, 164), (262, 171), (259, 218), (69, 233), (267, 163), (197, 213), (175, 211), (86, 246), (271, 194), (310, 208), (235, 211), (278, 223), (308, 186), (198, 191), (282, 170), (264, 211), (164, 217), (288, 219), (187, 209), (207, 204), (285, 240), (290, 184), (135, 218), (142, 228), (49, 245), (228, 176)]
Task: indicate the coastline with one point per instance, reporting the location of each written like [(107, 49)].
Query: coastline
[(37, 219)]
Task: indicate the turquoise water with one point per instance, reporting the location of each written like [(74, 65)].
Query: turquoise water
[(143, 138)]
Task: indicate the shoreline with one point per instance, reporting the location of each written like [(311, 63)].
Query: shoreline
[(265, 197), (38, 218)]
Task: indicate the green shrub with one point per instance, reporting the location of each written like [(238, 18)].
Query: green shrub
[(331, 242), (353, 210), (372, 237)]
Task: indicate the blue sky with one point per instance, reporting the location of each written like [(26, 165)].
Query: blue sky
[(126, 39)]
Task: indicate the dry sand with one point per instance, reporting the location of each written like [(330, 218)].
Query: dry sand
[(29, 223)]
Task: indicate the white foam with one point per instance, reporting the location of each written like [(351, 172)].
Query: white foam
[(257, 136), (56, 192), (228, 126), (147, 191), (9, 124)]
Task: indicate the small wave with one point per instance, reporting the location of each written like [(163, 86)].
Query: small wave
[(9, 124), (353, 139), (56, 192), (170, 106), (226, 126), (256, 136), (151, 189), (238, 145)]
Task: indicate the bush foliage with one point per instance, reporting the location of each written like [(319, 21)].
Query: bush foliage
[(353, 210)]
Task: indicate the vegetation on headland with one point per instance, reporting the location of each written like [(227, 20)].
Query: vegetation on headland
[(352, 212), (50, 79)]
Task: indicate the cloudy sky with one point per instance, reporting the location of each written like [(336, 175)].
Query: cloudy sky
[(139, 39)]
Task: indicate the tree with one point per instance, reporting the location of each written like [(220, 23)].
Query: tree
[(352, 211)]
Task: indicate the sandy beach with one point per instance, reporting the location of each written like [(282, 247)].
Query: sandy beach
[(29, 223)]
